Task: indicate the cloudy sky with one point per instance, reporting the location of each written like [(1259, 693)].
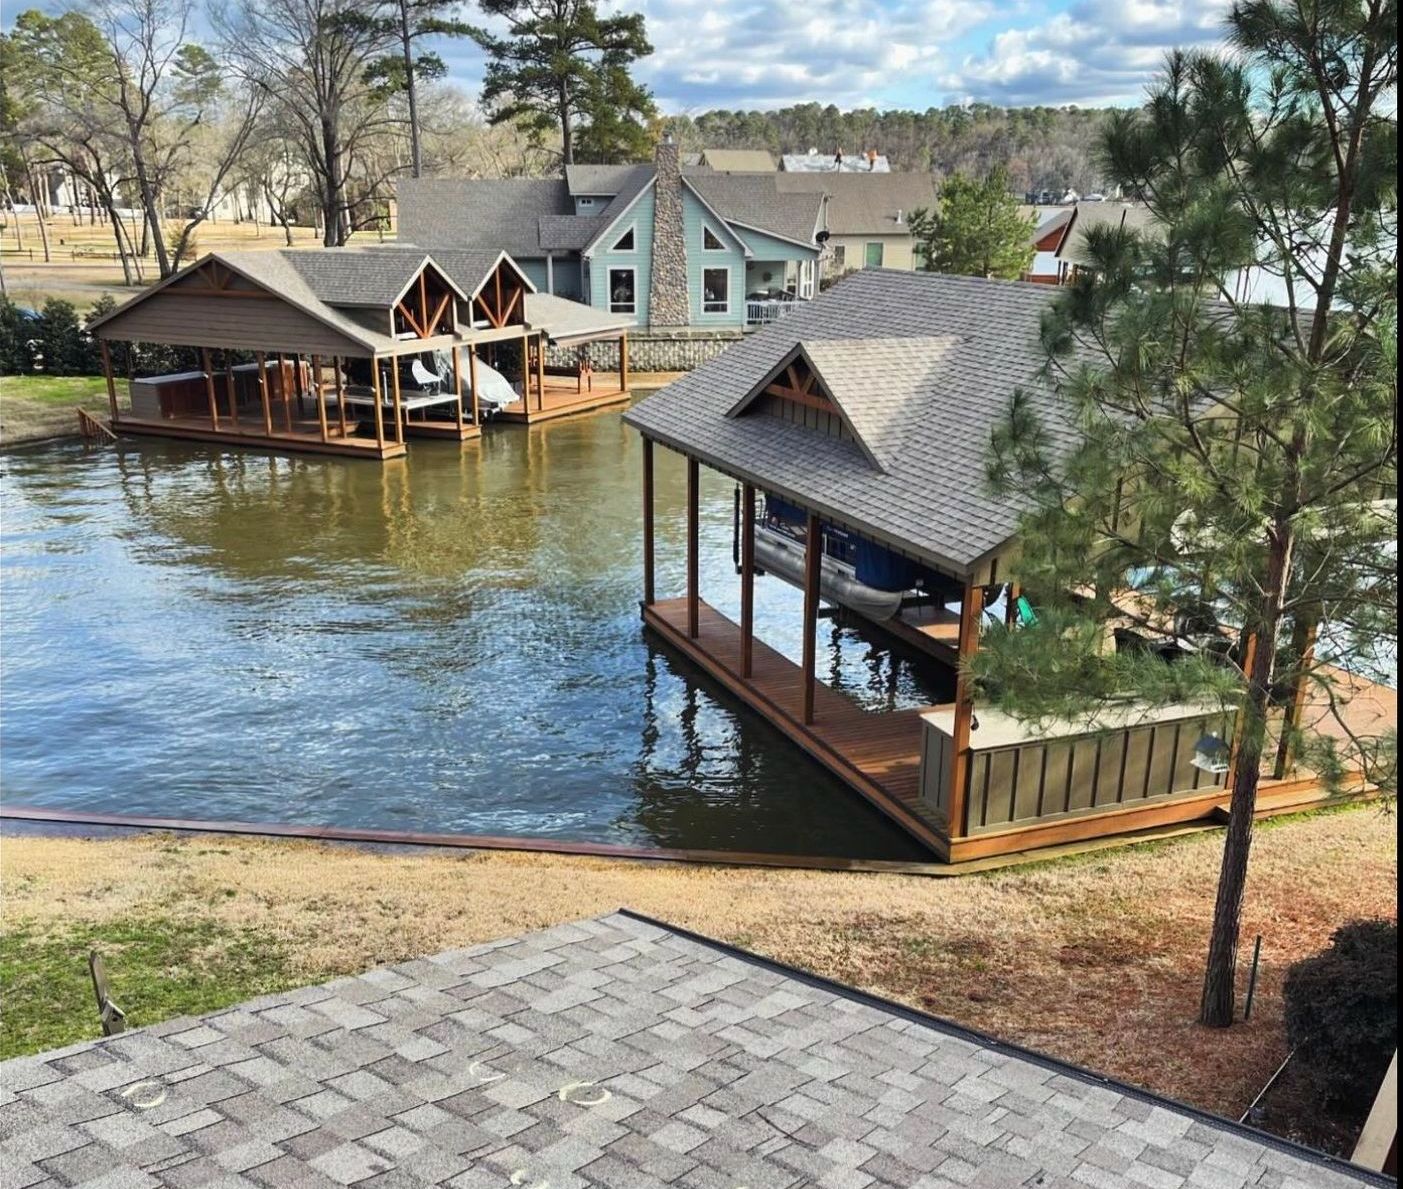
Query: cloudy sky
[(901, 53)]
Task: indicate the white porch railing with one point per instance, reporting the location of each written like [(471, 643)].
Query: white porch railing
[(759, 313)]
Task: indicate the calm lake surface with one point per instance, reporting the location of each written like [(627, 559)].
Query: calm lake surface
[(449, 643)]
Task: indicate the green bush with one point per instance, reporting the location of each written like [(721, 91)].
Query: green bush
[(61, 339), (17, 330), (1342, 1013)]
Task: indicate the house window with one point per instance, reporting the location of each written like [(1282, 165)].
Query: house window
[(874, 255), (838, 262), (623, 291), (711, 242), (625, 242), (716, 291), (584, 201)]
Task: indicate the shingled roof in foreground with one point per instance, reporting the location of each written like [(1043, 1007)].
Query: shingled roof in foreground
[(616, 1053), (926, 364)]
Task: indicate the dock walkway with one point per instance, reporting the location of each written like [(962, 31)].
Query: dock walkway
[(878, 755)]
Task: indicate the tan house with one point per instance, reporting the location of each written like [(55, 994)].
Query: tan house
[(867, 216)]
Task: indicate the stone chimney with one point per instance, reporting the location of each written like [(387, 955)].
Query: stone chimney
[(667, 290)]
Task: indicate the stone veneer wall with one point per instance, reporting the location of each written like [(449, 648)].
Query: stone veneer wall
[(648, 351), (667, 288)]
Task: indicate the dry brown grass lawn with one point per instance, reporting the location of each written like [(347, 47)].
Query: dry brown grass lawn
[(1096, 959), (76, 275)]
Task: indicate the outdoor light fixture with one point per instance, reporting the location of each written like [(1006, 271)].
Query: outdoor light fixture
[(1210, 755)]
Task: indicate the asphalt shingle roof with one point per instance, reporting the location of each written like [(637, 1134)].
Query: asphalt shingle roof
[(599, 180), (755, 200), (498, 213), (564, 319), (615, 1053), (865, 203), (372, 276), (569, 233), (923, 363), (629, 188), (1087, 215)]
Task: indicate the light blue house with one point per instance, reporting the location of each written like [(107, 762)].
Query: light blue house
[(668, 246)]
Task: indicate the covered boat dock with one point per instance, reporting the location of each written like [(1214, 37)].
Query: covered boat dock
[(864, 420), (348, 351)]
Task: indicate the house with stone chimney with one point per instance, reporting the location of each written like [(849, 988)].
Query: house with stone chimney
[(687, 253)]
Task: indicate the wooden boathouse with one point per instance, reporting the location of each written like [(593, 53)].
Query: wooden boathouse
[(351, 351), (867, 414)]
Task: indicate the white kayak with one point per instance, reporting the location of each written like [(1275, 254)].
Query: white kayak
[(782, 556)]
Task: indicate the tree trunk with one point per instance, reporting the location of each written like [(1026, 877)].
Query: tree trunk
[(39, 211), (1219, 981), (332, 184), (150, 207), (567, 143), (416, 157)]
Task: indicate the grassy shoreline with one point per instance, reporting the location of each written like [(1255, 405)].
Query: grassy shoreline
[(36, 408), (1095, 959)]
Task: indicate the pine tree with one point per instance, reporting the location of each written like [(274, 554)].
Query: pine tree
[(563, 69), (975, 229), (1226, 478)]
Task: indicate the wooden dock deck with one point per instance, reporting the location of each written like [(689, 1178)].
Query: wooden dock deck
[(877, 755), (565, 397), (305, 436)]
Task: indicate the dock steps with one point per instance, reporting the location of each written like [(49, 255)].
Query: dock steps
[(94, 429)]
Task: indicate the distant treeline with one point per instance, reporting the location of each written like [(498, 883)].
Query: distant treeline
[(1043, 148)]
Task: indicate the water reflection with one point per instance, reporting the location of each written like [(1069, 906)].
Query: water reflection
[(448, 642)]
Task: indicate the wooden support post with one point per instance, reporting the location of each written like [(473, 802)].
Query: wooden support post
[(283, 392), (399, 408), (1303, 646), (458, 386), (693, 582), (340, 393), (623, 362), (971, 610), (813, 569), (379, 401), (209, 389), (111, 383), (472, 382), (1015, 592), (649, 583), (525, 376), (540, 372), (263, 393), (321, 397), (747, 581), (229, 388)]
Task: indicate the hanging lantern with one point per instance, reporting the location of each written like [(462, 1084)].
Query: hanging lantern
[(1211, 754)]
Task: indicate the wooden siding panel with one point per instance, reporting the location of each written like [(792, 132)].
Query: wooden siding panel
[(180, 316), (640, 218), (998, 803), (1084, 769), (694, 218), (1025, 789)]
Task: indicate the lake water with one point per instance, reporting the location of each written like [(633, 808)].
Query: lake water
[(450, 643)]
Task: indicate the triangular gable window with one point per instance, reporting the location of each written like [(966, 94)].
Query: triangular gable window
[(711, 242), (625, 242)]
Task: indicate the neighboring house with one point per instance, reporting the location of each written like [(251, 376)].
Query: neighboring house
[(665, 245), (737, 160), (1047, 237), (867, 216), (836, 162), (1070, 252)]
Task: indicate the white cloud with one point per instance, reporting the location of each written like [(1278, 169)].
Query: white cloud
[(1099, 51), (746, 54)]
